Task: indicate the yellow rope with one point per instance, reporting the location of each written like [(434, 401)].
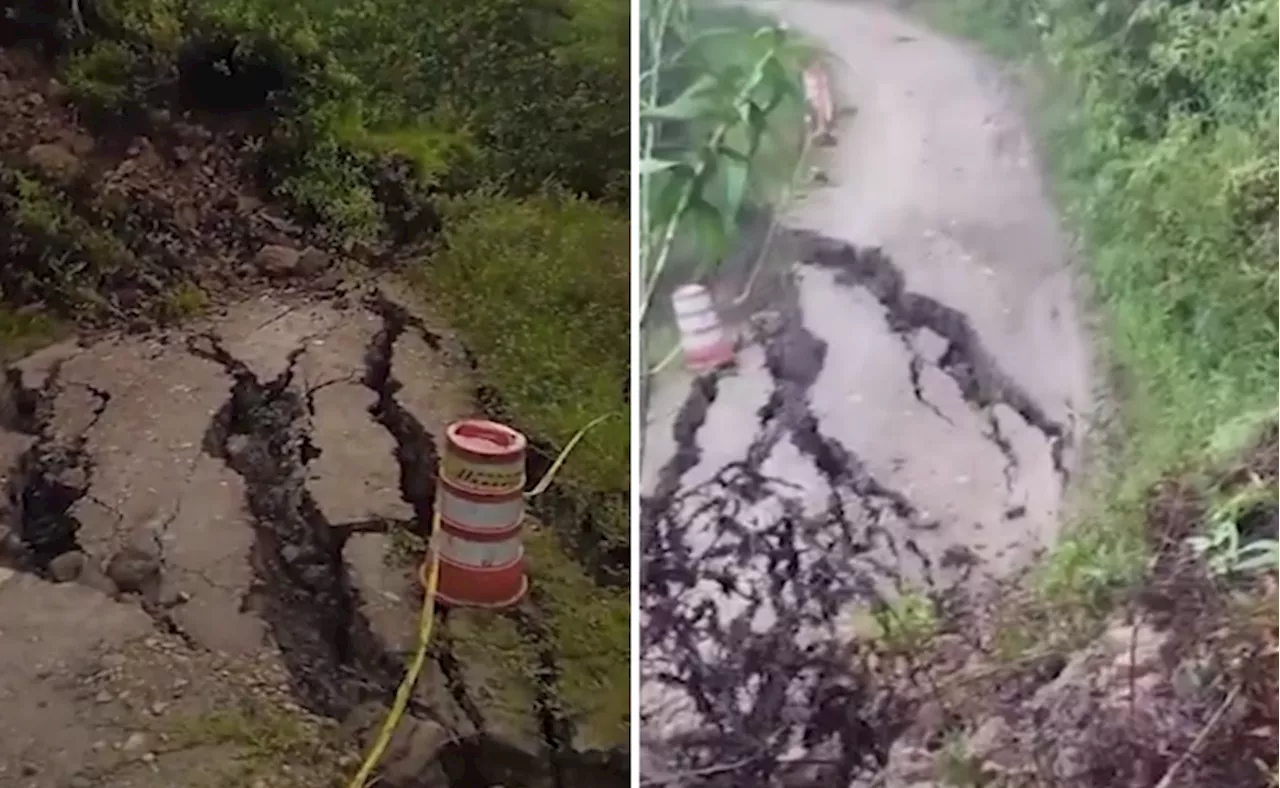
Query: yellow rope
[(426, 621)]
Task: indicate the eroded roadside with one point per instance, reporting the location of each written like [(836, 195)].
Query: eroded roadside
[(251, 492)]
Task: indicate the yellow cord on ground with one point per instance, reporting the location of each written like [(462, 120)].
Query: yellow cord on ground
[(426, 621)]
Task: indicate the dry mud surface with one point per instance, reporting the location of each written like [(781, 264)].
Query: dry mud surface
[(908, 415), (222, 521)]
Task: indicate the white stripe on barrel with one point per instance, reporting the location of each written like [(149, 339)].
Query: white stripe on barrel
[(479, 513), (703, 339), (480, 555)]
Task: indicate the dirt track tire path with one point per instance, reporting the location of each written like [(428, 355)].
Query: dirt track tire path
[(914, 416)]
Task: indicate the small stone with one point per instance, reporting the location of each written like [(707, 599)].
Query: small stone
[(312, 261), (158, 708), (93, 577), (67, 567), (11, 544), (135, 742), (277, 260), (148, 757), (80, 781), (134, 570), (54, 161), (6, 574), (102, 697)]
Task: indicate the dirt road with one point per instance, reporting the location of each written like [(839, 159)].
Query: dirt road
[(912, 414)]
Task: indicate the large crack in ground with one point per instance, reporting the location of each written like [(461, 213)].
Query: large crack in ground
[(299, 585), (741, 586), (51, 475), (302, 589), (474, 759), (744, 585), (982, 382)]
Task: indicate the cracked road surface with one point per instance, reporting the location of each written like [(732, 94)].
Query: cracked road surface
[(236, 497), (913, 417)]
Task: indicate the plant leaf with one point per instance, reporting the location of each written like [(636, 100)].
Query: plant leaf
[(735, 172), (698, 101), (651, 166)]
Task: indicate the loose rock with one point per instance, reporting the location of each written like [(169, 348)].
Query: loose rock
[(134, 570), (67, 567), (54, 161), (277, 260)]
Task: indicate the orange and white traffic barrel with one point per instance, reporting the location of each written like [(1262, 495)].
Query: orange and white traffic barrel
[(480, 501), (702, 338)]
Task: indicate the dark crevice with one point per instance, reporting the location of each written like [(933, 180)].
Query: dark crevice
[(480, 759), (374, 525), (50, 477), (415, 447), (301, 587), (756, 688), (982, 382), (997, 437), (915, 367), (717, 556), (692, 415), (557, 734)]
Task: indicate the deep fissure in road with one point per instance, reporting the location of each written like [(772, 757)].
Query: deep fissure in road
[(51, 475), (302, 589), (744, 586)]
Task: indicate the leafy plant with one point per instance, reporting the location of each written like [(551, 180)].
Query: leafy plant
[(712, 99), (721, 128), (1221, 546)]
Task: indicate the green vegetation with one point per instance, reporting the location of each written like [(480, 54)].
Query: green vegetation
[(538, 288), (590, 630), (446, 86), (1160, 121), (721, 112), (255, 739)]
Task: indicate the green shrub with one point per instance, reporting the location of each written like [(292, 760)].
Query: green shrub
[(102, 76), (538, 291)]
